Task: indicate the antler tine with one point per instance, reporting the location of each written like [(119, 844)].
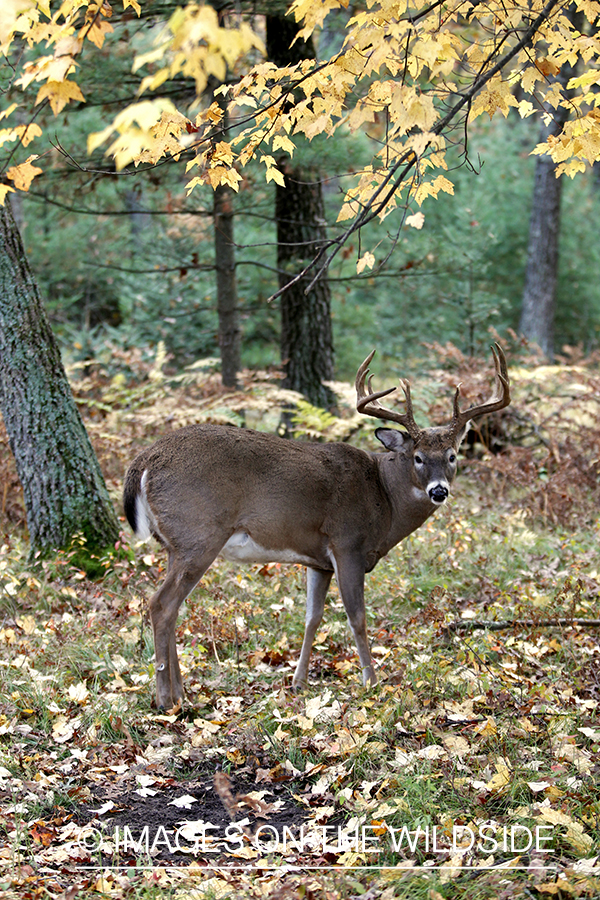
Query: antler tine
[(499, 399), (367, 401)]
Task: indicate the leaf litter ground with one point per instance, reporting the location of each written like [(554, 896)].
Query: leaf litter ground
[(471, 769)]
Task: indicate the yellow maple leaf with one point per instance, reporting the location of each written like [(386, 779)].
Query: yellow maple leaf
[(98, 31), (313, 14), (410, 109), (571, 168), (152, 82), (171, 122), (574, 833), (500, 781), (214, 176), (526, 109), (6, 134), (6, 112), (432, 188), (223, 154), (9, 14), (367, 260), (56, 68), (59, 93), (282, 142), (151, 56), (273, 174), (23, 174), (33, 71), (198, 179), (495, 96), (348, 211), (231, 177), (29, 133), (23, 133), (136, 126), (168, 146), (415, 221), (441, 183), (529, 78)]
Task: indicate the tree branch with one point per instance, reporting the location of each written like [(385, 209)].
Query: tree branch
[(475, 624), (408, 160)]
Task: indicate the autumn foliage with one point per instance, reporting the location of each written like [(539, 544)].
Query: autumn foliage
[(413, 75)]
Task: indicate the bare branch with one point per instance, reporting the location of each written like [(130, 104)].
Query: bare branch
[(476, 624)]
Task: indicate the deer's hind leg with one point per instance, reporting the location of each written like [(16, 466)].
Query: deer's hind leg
[(183, 574)]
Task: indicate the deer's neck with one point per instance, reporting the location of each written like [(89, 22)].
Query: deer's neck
[(410, 504)]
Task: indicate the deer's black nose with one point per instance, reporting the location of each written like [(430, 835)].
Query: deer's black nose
[(438, 493)]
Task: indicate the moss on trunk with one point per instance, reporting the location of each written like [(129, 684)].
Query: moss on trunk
[(63, 486)]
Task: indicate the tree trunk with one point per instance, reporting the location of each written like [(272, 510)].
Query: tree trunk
[(541, 273), (227, 305), (64, 490), (138, 219), (227, 297), (306, 339), (306, 334)]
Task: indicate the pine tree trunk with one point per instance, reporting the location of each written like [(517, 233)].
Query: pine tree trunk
[(306, 333), (64, 490)]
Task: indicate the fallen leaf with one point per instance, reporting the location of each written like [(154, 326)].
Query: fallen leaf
[(184, 802)]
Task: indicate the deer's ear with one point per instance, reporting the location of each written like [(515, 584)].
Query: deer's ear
[(392, 439), (461, 434)]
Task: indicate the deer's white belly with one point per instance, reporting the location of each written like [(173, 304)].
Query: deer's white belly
[(242, 549)]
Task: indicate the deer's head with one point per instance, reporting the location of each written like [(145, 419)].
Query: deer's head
[(431, 452)]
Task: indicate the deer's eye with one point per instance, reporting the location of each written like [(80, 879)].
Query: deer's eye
[(452, 457), (418, 459)]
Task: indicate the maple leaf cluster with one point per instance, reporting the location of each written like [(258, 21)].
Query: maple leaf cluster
[(403, 68)]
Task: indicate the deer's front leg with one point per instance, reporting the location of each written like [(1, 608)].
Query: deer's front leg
[(350, 576), (317, 585)]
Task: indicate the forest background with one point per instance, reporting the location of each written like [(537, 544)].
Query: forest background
[(128, 256)]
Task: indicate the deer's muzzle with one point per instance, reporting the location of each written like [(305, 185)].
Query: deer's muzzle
[(438, 493)]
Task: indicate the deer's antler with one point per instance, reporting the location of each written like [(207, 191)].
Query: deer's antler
[(367, 401), (499, 399)]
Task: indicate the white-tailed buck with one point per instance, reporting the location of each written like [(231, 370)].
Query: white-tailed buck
[(210, 490)]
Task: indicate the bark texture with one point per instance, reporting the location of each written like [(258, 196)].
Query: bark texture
[(227, 295), (306, 333), (62, 482), (306, 338), (227, 305), (541, 273)]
